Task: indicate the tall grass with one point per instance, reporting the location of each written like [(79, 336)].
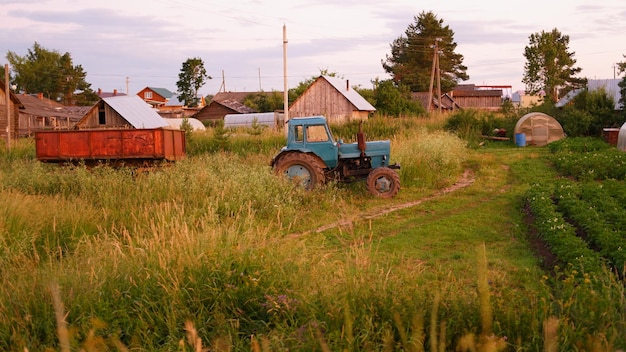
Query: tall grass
[(429, 159), (202, 254)]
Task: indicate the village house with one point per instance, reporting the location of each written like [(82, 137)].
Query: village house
[(114, 93), (121, 112), (9, 114), (176, 109), (470, 96), (225, 103), (333, 98), (447, 103), (156, 97), (610, 87), (40, 113), (521, 99)]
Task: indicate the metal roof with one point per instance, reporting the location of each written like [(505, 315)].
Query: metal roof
[(136, 111), (175, 101), (610, 86), (38, 105), (165, 93), (352, 95), (197, 125)]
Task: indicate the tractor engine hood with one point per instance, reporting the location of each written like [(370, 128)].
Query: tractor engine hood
[(373, 149)]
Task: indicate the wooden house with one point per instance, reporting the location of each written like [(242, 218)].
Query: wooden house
[(447, 103), (609, 86), (121, 112), (470, 96), (176, 109), (156, 97), (40, 113), (333, 98), (9, 115), (225, 103), (521, 99), (103, 94)]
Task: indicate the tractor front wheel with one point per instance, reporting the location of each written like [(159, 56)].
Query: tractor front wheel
[(383, 182), (305, 169)]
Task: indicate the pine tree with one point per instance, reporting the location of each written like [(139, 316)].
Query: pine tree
[(412, 55)]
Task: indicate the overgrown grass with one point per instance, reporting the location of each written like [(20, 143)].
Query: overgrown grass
[(216, 251), (429, 159)]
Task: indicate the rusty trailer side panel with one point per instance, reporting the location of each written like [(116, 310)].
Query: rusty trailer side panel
[(114, 144)]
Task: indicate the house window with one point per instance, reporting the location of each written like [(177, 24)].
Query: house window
[(147, 95), (102, 119)]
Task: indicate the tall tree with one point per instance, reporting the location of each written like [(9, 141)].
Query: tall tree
[(51, 73), (550, 65), (191, 78), (395, 101), (264, 102), (412, 55)]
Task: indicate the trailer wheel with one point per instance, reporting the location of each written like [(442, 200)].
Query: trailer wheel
[(383, 182), (303, 168)]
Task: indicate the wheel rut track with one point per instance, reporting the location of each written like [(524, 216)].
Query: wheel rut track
[(465, 180)]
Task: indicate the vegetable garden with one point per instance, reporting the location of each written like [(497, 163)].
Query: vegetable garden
[(582, 216)]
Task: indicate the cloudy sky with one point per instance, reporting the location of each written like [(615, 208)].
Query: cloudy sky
[(128, 45)]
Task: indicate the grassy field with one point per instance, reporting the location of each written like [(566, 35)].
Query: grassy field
[(215, 252)]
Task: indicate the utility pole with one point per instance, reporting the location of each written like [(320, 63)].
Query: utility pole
[(223, 86), (438, 80), (285, 84), (127, 92), (435, 70), (7, 91)]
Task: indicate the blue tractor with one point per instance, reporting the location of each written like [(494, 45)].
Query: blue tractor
[(313, 157)]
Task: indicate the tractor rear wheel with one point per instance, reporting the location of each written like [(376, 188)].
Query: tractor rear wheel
[(383, 182), (305, 169)]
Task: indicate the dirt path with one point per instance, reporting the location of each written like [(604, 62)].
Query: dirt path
[(465, 180)]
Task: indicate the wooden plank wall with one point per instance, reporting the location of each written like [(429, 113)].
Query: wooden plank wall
[(323, 99)]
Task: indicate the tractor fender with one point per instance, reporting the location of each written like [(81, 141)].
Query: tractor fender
[(284, 152)]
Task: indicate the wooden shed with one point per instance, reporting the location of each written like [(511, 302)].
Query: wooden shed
[(9, 115), (40, 113), (447, 103), (333, 98), (121, 112), (224, 103), (470, 97)]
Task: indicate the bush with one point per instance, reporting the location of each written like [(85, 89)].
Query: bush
[(576, 123), (471, 124)]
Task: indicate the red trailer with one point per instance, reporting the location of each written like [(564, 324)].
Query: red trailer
[(113, 145)]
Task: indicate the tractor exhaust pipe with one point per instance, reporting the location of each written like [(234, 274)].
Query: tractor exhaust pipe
[(360, 137)]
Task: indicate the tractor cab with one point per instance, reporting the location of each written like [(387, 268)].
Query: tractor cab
[(312, 135)]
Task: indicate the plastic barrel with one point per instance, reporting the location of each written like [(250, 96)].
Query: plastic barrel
[(520, 139)]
